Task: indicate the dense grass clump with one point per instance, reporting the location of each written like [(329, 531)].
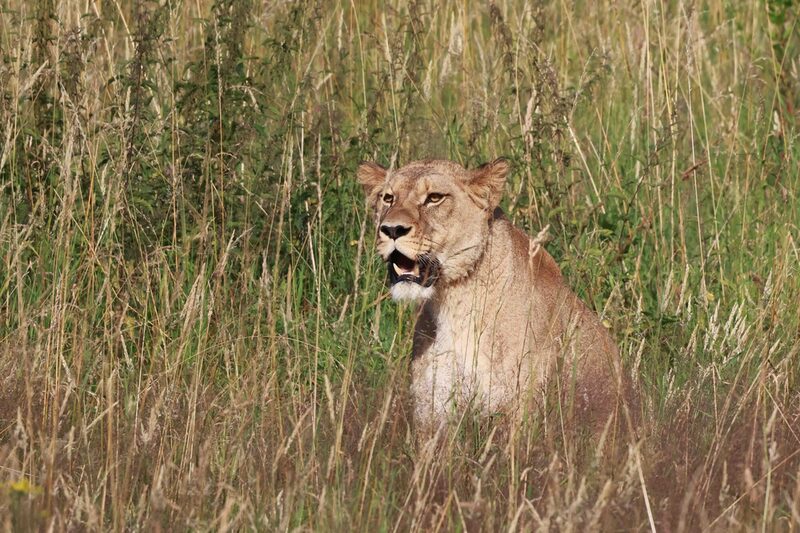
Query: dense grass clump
[(194, 331)]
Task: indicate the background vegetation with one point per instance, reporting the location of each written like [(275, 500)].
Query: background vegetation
[(194, 331)]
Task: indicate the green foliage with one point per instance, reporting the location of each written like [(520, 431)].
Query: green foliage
[(194, 330)]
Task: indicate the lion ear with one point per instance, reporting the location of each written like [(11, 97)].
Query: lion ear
[(488, 180), (371, 176)]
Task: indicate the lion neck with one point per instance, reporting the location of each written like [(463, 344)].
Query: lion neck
[(472, 294)]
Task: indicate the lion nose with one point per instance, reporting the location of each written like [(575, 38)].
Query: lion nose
[(395, 232)]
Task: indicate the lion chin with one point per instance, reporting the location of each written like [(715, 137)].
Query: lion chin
[(410, 291)]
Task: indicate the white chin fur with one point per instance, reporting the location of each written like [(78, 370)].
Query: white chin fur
[(407, 290)]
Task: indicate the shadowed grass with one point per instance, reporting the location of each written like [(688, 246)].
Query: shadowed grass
[(194, 331)]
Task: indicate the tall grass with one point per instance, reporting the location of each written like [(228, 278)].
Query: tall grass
[(194, 331)]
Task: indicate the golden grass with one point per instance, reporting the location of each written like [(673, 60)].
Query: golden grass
[(193, 327)]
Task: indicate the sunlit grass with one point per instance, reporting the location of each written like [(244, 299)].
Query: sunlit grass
[(194, 331)]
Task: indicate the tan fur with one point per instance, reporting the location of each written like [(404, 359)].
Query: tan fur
[(500, 322)]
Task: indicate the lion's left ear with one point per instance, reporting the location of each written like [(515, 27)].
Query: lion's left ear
[(488, 181), (371, 176)]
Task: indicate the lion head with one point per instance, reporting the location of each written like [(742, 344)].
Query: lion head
[(432, 220)]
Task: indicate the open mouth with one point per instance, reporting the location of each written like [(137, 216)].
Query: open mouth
[(422, 271)]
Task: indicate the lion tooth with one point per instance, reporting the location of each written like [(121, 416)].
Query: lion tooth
[(397, 269)]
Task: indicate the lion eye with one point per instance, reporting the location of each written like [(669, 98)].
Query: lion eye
[(388, 198), (434, 198)]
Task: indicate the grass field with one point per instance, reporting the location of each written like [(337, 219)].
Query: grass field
[(194, 327)]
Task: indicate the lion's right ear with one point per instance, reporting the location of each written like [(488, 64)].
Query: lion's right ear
[(487, 182), (371, 176)]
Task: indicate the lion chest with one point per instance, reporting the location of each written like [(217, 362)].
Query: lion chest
[(466, 361)]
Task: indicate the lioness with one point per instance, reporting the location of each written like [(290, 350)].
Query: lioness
[(497, 321)]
